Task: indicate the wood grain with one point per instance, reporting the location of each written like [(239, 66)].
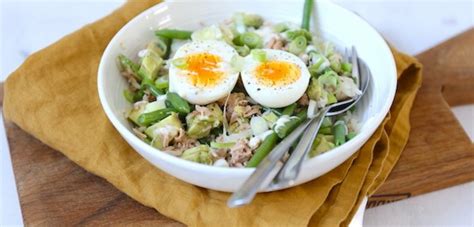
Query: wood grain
[(56, 192), (439, 153)]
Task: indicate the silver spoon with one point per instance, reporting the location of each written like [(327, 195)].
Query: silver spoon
[(249, 189), (292, 167)]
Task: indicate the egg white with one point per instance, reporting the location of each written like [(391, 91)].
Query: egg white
[(275, 96), (179, 81)]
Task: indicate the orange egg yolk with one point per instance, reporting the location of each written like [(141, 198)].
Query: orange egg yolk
[(274, 73), (203, 69)]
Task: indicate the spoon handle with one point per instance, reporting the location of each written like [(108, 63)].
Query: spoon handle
[(292, 167), (247, 191)]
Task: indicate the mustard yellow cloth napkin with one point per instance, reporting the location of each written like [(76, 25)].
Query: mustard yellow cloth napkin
[(53, 96)]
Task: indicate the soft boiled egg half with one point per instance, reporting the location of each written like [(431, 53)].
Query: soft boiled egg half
[(275, 78), (200, 71)]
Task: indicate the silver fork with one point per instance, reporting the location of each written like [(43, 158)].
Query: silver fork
[(292, 167), (248, 190)]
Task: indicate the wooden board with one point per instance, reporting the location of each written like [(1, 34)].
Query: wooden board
[(55, 191), (439, 153)]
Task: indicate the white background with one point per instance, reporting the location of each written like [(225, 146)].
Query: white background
[(411, 26)]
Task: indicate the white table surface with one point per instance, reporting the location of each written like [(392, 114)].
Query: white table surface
[(411, 26)]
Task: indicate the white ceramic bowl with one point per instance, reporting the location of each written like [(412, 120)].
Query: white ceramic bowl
[(337, 24)]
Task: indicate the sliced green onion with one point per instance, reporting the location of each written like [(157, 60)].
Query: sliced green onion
[(270, 117), (174, 33), (280, 27), (331, 98), (346, 67), (320, 63), (252, 20), (250, 39), (237, 63), (298, 45), (335, 61), (222, 145), (162, 82), (242, 50), (329, 79), (293, 34), (259, 55), (180, 63)]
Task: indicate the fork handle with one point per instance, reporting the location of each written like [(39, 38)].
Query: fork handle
[(248, 190), (292, 167)]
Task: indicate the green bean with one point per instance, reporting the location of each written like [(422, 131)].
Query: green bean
[(138, 95), (164, 44), (298, 45), (250, 39), (351, 135), (339, 131), (259, 55), (262, 151), (148, 84), (147, 119), (308, 6), (289, 126), (289, 110), (147, 140), (129, 96), (178, 103), (128, 65), (173, 33)]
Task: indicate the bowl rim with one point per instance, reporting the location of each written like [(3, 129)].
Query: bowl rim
[(132, 139)]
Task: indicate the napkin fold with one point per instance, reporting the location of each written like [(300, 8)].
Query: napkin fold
[(53, 96)]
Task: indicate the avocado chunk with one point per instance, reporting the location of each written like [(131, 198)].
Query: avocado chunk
[(151, 63), (168, 127), (135, 113)]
